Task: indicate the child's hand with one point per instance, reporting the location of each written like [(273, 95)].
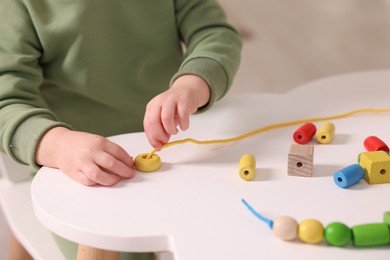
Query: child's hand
[(173, 108), (87, 158)]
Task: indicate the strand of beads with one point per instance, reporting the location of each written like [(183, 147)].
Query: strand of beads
[(312, 231)]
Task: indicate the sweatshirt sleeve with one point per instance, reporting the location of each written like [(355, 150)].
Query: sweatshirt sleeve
[(213, 47), (24, 116)]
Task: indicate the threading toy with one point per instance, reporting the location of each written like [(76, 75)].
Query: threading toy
[(311, 231), (373, 165), (269, 127)]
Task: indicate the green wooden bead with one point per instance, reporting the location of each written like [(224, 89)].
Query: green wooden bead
[(373, 234), (338, 234), (386, 217)]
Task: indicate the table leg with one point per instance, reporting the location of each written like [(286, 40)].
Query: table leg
[(90, 253), (164, 256), (16, 251)]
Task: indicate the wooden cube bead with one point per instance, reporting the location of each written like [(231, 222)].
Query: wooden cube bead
[(376, 165), (300, 160)]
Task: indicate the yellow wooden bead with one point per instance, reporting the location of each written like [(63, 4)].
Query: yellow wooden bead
[(325, 133), (247, 167), (311, 231), (376, 165), (144, 164), (285, 227)]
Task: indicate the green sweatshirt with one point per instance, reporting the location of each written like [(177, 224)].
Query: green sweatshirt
[(94, 65)]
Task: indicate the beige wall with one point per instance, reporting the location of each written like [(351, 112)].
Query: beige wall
[(289, 42)]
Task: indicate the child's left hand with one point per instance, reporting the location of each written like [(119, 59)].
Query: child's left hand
[(173, 108)]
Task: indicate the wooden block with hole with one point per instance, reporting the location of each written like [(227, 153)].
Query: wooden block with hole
[(300, 160), (376, 165)]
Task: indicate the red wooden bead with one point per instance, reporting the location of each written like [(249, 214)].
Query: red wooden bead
[(373, 143), (304, 133)]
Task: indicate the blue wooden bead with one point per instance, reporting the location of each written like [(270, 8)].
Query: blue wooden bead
[(348, 176)]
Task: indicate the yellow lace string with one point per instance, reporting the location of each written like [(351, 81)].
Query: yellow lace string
[(270, 127)]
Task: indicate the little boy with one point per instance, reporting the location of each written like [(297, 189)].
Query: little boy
[(75, 72)]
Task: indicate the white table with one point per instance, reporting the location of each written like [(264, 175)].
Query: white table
[(192, 206)]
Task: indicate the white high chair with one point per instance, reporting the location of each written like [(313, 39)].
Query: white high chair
[(15, 201)]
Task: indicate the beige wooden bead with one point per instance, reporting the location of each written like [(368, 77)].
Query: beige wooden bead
[(285, 227), (300, 160)]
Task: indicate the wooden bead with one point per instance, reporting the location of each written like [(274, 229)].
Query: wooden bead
[(144, 164), (348, 176), (304, 133), (300, 160), (247, 167), (338, 234), (386, 217), (373, 234), (373, 143), (376, 165), (285, 227), (325, 133), (311, 231)]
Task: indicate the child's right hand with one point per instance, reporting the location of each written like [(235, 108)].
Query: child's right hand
[(87, 158), (172, 108)]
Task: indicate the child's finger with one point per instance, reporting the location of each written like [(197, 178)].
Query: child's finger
[(154, 130), (157, 136), (119, 153), (168, 118), (110, 164), (96, 174), (82, 178), (183, 116)]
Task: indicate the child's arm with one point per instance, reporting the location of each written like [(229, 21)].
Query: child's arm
[(173, 108), (87, 158), (213, 50)]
